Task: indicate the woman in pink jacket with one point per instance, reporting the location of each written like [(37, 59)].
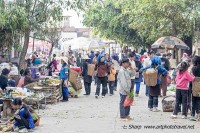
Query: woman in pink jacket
[(182, 84)]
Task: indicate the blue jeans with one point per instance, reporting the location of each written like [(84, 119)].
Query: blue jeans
[(137, 87), (147, 91), (103, 81), (65, 93), (111, 86), (153, 101), (124, 111)]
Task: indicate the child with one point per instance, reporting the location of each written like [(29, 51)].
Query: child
[(111, 79), (124, 85), (182, 81), (195, 100), (23, 118)]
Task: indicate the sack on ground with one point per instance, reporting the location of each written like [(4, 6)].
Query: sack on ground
[(150, 77), (91, 68), (196, 87), (128, 101), (168, 103)]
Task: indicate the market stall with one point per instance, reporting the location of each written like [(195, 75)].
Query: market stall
[(170, 43)]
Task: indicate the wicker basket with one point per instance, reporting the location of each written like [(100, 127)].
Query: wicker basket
[(91, 68), (196, 87), (151, 77), (73, 76), (77, 85), (168, 103)]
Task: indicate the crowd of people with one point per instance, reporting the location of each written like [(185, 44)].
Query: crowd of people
[(113, 73)]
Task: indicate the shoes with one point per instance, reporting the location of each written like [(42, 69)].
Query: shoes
[(30, 130), (96, 96), (150, 109), (124, 119), (103, 96), (130, 118), (111, 94), (86, 94), (155, 109), (24, 130), (174, 116), (192, 118), (184, 117), (64, 100), (136, 95)]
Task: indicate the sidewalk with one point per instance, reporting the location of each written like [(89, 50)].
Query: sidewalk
[(89, 115)]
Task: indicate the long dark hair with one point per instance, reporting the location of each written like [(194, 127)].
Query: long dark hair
[(18, 101), (196, 68)]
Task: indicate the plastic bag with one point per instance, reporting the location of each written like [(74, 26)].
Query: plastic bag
[(129, 100)]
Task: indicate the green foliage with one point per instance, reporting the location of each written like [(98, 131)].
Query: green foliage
[(142, 21), (108, 21), (13, 22)]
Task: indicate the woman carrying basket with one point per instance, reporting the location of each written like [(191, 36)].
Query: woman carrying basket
[(154, 91)]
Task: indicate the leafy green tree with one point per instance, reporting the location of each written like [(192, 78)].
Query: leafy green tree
[(13, 23), (107, 21)]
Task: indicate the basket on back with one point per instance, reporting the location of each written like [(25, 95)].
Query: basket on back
[(196, 87), (91, 68), (151, 77)]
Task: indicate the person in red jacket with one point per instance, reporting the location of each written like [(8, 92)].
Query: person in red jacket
[(182, 82), (102, 69)]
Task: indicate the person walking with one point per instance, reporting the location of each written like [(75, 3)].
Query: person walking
[(86, 78), (102, 69)]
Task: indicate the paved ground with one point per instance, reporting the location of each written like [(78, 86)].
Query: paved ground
[(89, 115)]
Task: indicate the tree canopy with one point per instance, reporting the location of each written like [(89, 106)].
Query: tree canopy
[(146, 19)]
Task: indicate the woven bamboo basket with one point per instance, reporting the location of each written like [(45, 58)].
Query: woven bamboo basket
[(91, 68), (196, 87), (150, 77), (72, 76)]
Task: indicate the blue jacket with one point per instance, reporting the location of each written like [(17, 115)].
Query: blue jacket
[(63, 72), (29, 118), (156, 61), (91, 56)]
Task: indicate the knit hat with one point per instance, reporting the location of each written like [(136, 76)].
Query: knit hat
[(5, 71)]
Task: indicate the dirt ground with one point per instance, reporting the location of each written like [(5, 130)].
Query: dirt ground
[(89, 115)]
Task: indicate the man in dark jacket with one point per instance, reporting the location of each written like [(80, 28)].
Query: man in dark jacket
[(86, 78), (79, 62)]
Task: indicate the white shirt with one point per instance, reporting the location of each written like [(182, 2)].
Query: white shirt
[(147, 62)]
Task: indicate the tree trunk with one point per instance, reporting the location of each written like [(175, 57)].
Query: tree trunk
[(24, 50), (51, 50)]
